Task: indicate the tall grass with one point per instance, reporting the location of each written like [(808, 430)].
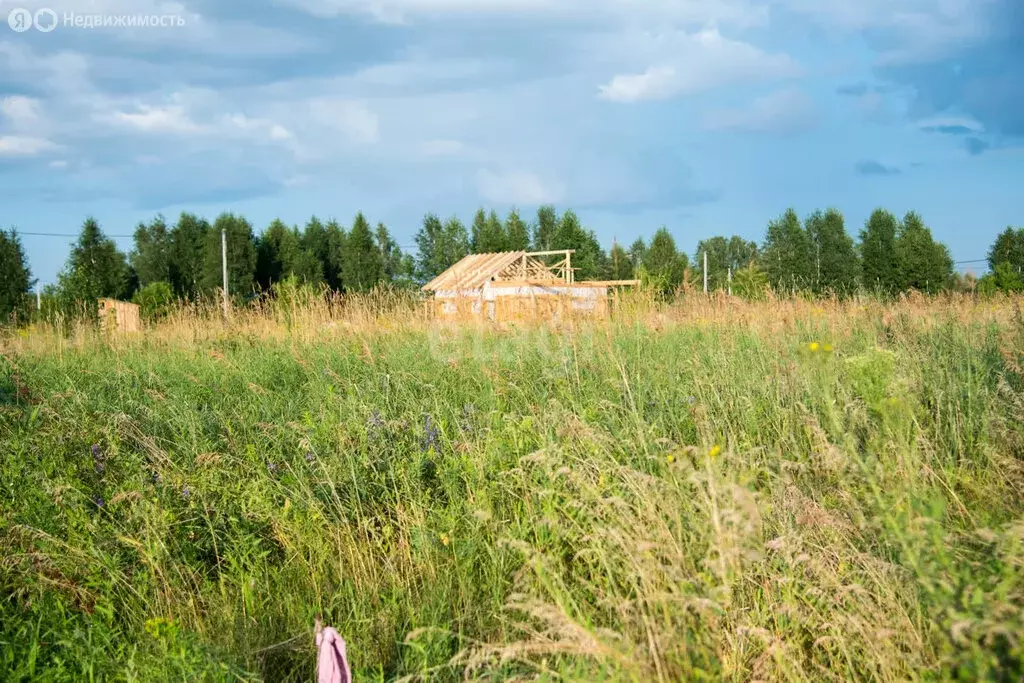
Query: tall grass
[(786, 490)]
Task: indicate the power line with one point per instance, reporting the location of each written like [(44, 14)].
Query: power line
[(61, 234)]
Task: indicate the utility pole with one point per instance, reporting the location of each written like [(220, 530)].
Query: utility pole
[(39, 298), (224, 267), (730, 280), (705, 271)]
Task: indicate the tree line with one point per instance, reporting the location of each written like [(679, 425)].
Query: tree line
[(183, 261)]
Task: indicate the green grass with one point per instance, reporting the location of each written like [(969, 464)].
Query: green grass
[(686, 497)]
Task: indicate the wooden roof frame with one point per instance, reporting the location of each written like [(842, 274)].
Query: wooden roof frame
[(516, 269)]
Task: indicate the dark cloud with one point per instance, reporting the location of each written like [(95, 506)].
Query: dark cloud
[(870, 167), (984, 80), (976, 146)]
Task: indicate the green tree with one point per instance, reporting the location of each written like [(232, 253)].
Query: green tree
[(95, 269), (395, 263), (723, 254), (750, 282), (188, 242), (15, 277), (588, 258), (439, 246), (277, 254), (1008, 248), (1004, 278), (547, 226), (637, 253), (337, 236), (362, 265), (836, 266), (316, 261), (151, 257), (241, 256), (923, 263), (620, 265), (787, 253), (517, 233), (488, 234), (879, 270), (155, 300), (663, 263)]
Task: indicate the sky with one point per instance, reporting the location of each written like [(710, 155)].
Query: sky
[(706, 116)]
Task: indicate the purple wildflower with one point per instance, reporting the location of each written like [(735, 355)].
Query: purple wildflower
[(98, 501), (185, 492), (272, 468), (310, 457), (431, 435)]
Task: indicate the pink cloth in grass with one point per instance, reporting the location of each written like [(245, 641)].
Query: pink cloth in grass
[(332, 662)]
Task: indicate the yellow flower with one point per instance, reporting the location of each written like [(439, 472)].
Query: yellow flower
[(827, 348), (813, 346), (445, 540), (670, 458), (715, 451)]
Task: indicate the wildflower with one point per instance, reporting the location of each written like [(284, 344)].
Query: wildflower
[(310, 457), (445, 540), (96, 450), (691, 399), (98, 501), (185, 492), (827, 348), (715, 451), (272, 468), (813, 346), (431, 435), (670, 458)]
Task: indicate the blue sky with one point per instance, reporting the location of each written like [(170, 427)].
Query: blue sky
[(706, 116)]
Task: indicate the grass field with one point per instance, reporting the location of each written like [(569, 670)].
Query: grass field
[(784, 490)]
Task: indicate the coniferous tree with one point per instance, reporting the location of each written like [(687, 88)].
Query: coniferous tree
[(15, 277), (316, 263), (879, 270), (547, 226), (241, 256), (95, 269), (187, 255), (663, 263), (924, 264), (439, 246), (151, 257), (787, 256), (836, 266), (277, 254), (362, 266), (517, 233), (337, 236)]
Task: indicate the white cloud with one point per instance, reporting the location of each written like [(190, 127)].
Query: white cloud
[(20, 110), (694, 12), (18, 145), (785, 111), (517, 187), (697, 62), (354, 120), (58, 164), (155, 119)]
